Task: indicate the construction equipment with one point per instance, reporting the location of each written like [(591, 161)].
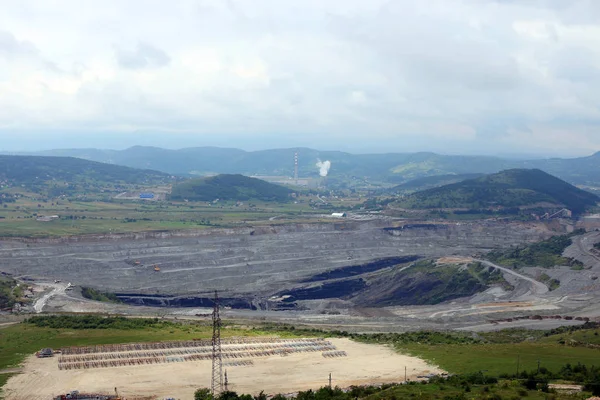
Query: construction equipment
[(44, 353), (75, 395), (156, 268)]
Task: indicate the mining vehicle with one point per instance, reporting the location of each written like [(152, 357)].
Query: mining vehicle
[(75, 395)]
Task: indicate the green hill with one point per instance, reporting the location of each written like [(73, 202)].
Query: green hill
[(510, 188), (38, 173), (229, 187)]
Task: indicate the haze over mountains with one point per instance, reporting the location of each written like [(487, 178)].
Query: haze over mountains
[(391, 167)]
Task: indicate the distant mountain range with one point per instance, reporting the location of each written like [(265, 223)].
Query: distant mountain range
[(510, 188), (392, 167)]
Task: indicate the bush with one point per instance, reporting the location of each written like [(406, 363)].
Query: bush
[(203, 394), (96, 295), (95, 322), (229, 395), (261, 396)]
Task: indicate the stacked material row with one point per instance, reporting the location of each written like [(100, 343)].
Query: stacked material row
[(285, 346), (235, 352), (334, 353), (109, 348)]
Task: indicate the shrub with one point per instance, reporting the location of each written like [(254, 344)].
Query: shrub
[(203, 394), (95, 322)]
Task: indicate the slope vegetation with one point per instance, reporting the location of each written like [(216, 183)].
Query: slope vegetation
[(430, 182), (546, 254), (229, 187), (510, 188)]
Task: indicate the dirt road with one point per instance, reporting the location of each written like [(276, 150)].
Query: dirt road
[(537, 288), (57, 288), (579, 241)]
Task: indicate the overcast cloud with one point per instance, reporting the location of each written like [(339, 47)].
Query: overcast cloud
[(454, 76)]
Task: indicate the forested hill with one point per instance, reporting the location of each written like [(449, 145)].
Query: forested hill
[(37, 170), (229, 187), (510, 188)]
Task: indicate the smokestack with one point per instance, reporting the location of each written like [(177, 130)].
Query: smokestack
[(296, 167)]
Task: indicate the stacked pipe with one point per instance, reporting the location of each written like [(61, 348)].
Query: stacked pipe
[(108, 348), (336, 353), (283, 347), (163, 352), (240, 363)]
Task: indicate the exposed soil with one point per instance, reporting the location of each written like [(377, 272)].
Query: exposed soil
[(247, 263), (324, 267), (364, 364)]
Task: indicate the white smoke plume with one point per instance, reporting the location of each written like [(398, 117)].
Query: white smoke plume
[(323, 167)]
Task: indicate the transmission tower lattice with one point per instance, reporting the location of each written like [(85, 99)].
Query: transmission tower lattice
[(217, 365)]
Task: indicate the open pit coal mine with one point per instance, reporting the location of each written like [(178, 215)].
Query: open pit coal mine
[(252, 268)]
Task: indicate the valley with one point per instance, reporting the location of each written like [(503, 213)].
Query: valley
[(292, 200), (489, 263)]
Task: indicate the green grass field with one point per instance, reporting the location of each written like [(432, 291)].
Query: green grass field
[(499, 359), (587, 336), (493, 359), (18, 341), (94, 217), (502, 350), (21, 340)]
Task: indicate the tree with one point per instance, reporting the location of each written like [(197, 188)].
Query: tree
[(229, 395), (261, 396), (203, 394)]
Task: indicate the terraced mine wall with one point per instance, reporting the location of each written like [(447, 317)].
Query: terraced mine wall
[(183, 301), (248, 265)]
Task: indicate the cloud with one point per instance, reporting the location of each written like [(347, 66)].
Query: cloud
[(144, 55), (453, 76), (10, 46)]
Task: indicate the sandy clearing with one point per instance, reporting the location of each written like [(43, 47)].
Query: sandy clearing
[(454, 260), (41, 379)]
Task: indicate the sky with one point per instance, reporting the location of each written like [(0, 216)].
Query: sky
[(493, 77)]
